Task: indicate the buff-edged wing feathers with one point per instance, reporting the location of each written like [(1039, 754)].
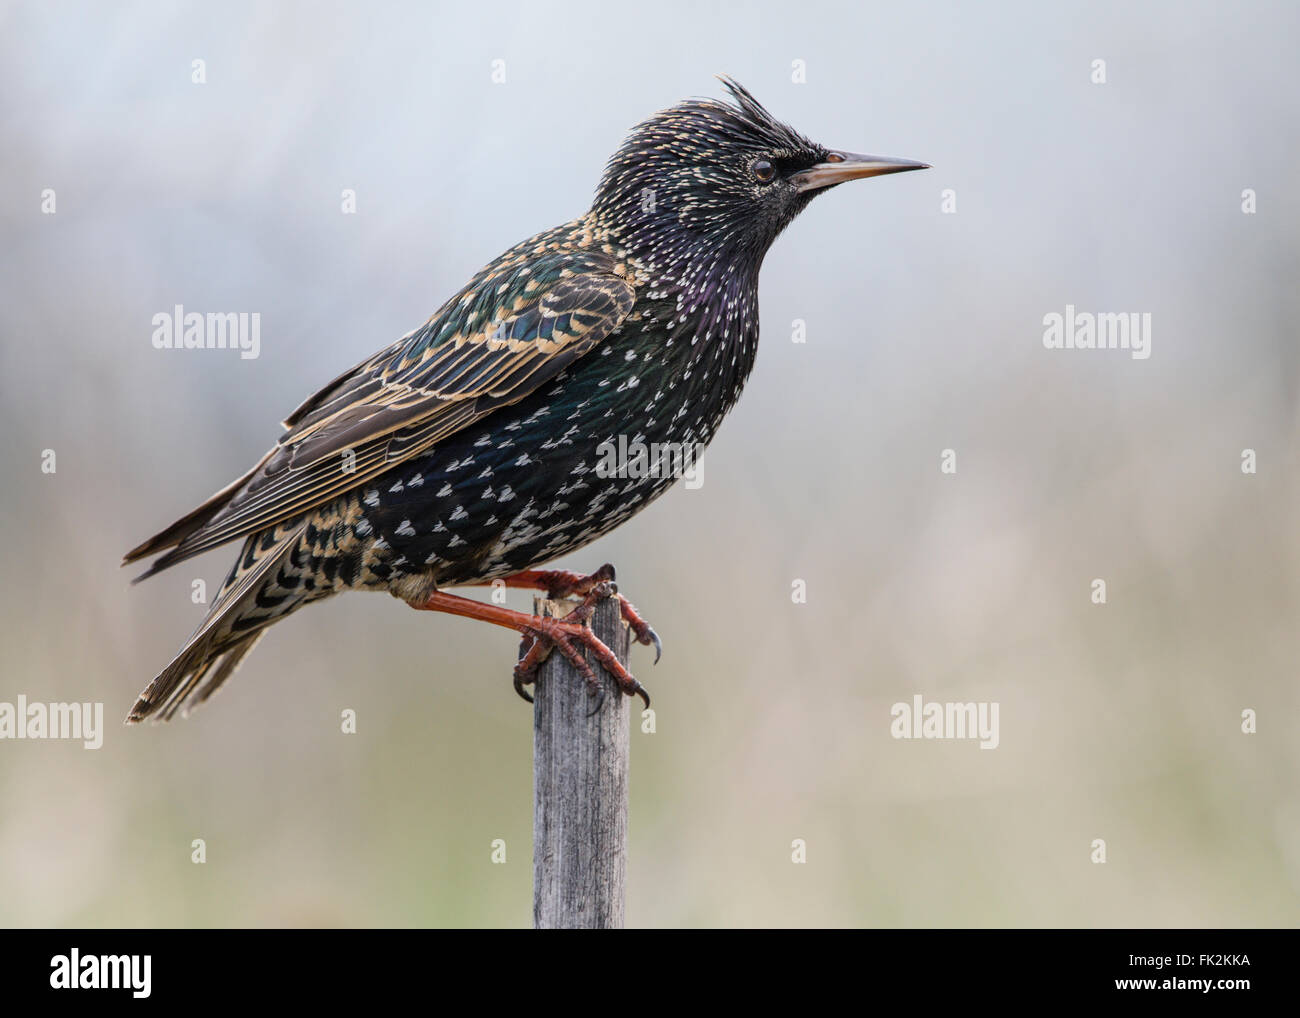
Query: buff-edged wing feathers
[(460, 366)]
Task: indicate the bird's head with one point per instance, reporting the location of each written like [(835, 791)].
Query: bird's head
[(706, 174)]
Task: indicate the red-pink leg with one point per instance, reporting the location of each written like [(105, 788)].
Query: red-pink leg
[(567, 634)]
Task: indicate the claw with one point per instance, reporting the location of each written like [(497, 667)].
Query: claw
[(519, 686), (640, 628), (532, 652)]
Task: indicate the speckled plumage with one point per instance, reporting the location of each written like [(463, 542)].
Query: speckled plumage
[(467, 450)]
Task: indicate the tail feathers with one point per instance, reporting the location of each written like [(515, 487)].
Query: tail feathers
[(175, 687), (232, 627)]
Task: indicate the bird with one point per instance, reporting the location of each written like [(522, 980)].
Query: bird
[(468, 451)]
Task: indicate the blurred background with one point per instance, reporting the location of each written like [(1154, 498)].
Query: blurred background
[(924, 332)]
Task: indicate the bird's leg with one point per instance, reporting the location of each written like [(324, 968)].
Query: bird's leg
[(567, 634), (560, 583)]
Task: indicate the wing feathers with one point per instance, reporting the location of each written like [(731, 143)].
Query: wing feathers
[(406, 399)]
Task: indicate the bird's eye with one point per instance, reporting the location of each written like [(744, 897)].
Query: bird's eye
[(763, 171)]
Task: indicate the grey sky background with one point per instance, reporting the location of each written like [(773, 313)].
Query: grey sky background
[(924, 332)]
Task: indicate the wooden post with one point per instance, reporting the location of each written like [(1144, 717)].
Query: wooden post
[(580, 766)]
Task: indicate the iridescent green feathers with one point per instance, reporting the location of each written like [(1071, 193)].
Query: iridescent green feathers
[(520, 321)]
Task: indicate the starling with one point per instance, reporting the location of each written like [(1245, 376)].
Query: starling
[(467, 451)]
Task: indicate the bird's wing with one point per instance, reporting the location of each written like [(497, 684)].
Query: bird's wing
[(516, 325)]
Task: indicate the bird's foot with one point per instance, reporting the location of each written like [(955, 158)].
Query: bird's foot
[(543, 634), (568, 635), (561, 583)]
